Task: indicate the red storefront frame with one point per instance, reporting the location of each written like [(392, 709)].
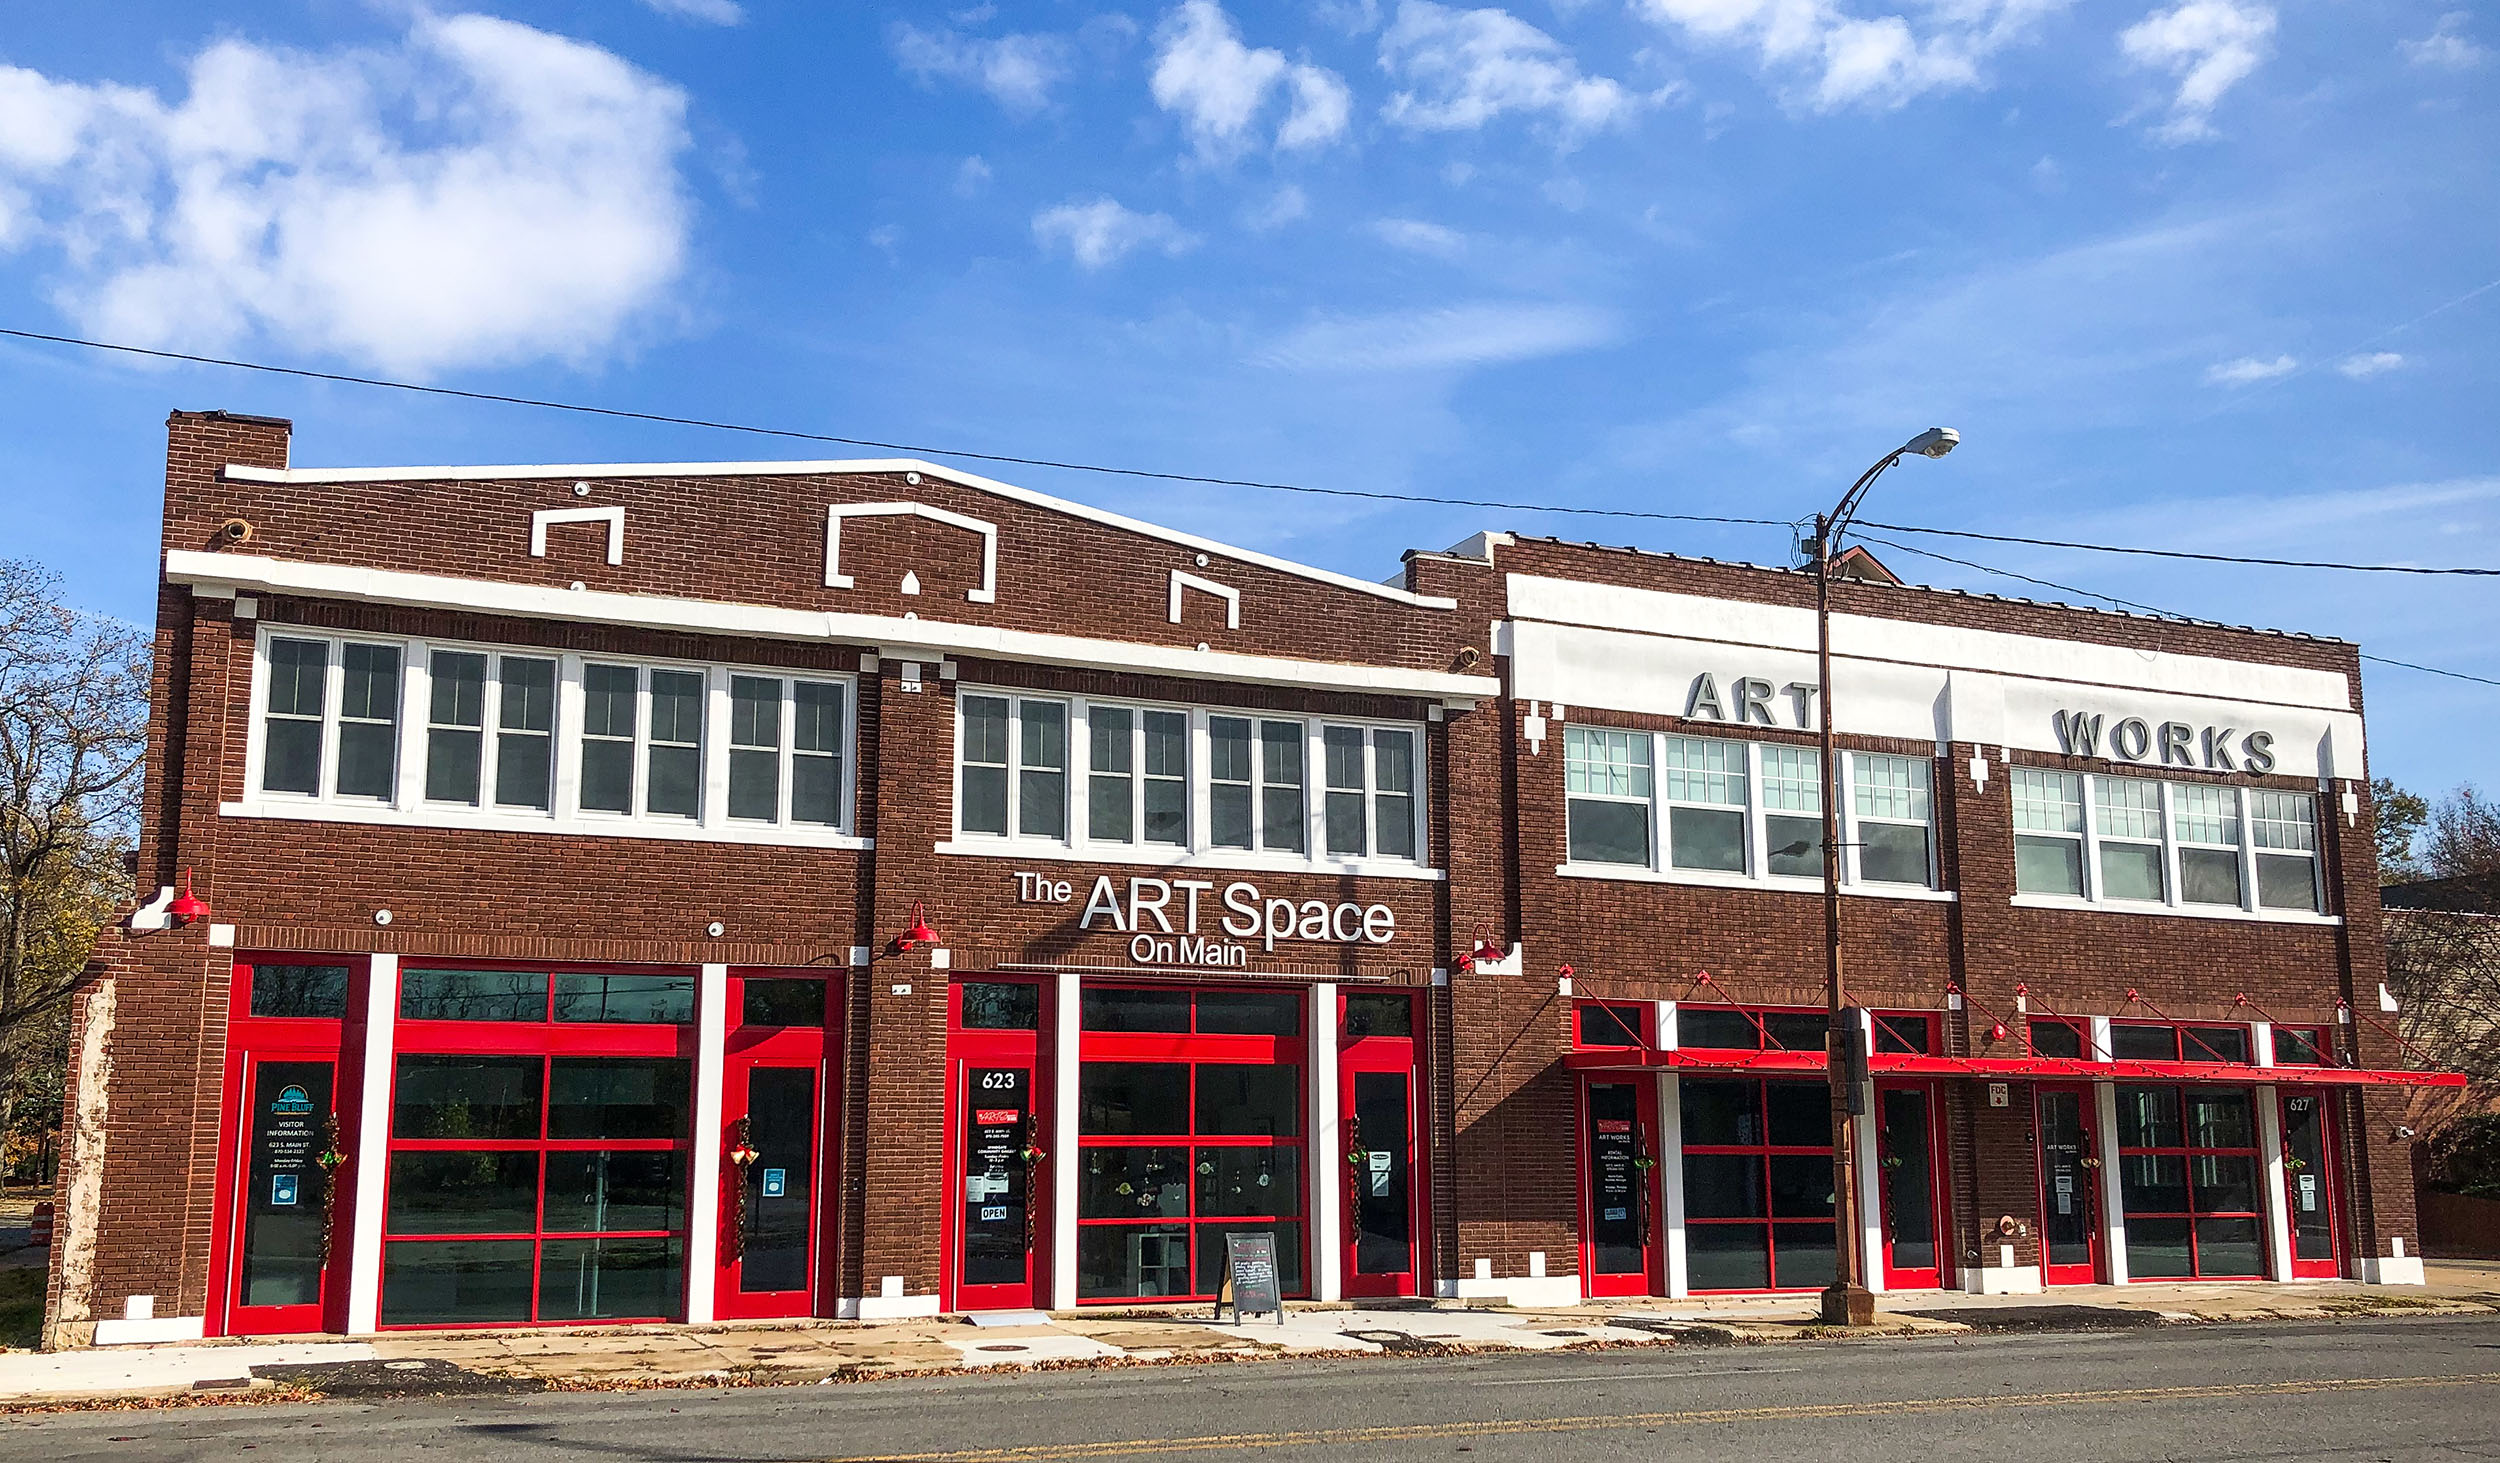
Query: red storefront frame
[(547, 1040), (1195, 1049), (973, 1052), (1362, 1060), (253, 1042), (2197, 1220), (777, 1050)]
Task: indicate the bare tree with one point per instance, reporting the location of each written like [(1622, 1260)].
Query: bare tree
[(73, 737), (2463, 840)]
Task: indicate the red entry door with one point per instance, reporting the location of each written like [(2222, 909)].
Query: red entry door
[(1619, 1249), (2309, 1185), (998, 1193), (285, 1235), (1379, 1155), (775, 1103), (2070, 1194), (1912, 1186)]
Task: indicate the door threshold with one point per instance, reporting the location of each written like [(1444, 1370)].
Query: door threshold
[(1007, 1318)]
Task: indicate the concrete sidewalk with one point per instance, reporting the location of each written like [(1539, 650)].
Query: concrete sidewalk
[(401, 1364)]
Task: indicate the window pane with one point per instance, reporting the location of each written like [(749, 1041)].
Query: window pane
[(2152, 1182), (2048, 865), (291, 756), (1116, 1008), (1248, 1101), (608, 700), (1801, 1185), (1893, 788), (816, 790), (529, 695), (2214, 1043), (2293, 1046), (755, 712), (608, 720), (458, 1282), (2148, 1117), (1728, 1256), (1343, 815), (298, 675), (1797, 1031), (1341, 757), (991, 1005), (2143, 1043), (1250, 1013), (2128, 807), (676, 772), (611, 1279), (766, 1001), (1379, 1013), (2209, 875), (1228, 748), (2056, 1039), (457, 680), (367, 753), (755, 786), (1395, 830), (1800, 1114), (453, 765), (616, 1097), (2047, 802), (755, 748), (1725, 1186), (455, 745), (985, 730), (1281, 815), (1280, 818), (1804, 1256), (1167, 773), (1110, 801), (465, 1097), (2228, 1247), (1042, 790), (660, 999), (2223, 1183), (601, 1192), (2221, 1117), (1134, 1260), (1167, 811), (2157, 1249), (1701, 770), (1133, 1183), (525, 743), (1790, 780), (1609, 833), (2203, 813), (317, 991), (1109, 809), (1795, 845), (1211, 1254), (490, 1192), (369, 682), (985, 799), (1706, 838), (1608, 1026), (368, 720), (816, 715), (1893, 853), (1607, 763), (1045, 727), (2131, 871), (2284, 820), (1115, 1098), (1722, 1110), (1718, 1030), (1911, 1034), (1228, 816), (2287, 882), (1261, 1181), (472, 995)]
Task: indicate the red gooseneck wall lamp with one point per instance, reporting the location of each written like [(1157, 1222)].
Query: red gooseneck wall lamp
[(187, 906), (918, 935)]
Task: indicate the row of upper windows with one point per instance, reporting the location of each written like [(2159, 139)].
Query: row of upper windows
[(1174, 781), (1718, 809)]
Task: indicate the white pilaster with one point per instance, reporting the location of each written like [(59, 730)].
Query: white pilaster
[(372, 1156), (2271, 1179), (1869, 1165), (1671, 1178), (711, 1040), (2105, 1147), (1067, 1022), (1327, 1148), (2099, 1037)]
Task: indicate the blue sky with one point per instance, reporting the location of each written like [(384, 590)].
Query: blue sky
[(2198, 274)]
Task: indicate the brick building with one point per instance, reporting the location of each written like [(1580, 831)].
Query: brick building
[(704, 891)]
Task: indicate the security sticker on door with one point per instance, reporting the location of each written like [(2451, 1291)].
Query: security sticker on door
[(282, 1190), (2065, 1193), (776, 1182), (2309, 1193)]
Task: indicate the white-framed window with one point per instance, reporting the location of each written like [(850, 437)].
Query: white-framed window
[(1170, 783), (2137, 842), (1895, 816), (1720, 810), (353, 728)]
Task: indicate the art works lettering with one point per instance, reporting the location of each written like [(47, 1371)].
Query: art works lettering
[(2170, 744)]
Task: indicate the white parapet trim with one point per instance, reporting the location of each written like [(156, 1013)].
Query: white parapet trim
[(150, 1331), (1524, 1291)]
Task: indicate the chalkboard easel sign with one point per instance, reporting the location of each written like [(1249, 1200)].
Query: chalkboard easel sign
[(1250, 1276)]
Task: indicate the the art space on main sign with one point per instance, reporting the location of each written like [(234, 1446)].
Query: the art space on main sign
[(1197, 922)]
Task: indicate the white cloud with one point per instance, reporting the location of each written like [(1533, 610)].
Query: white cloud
[(710, 12), (2447, 47), (1285, 206), (481, 193), (2249, 370), (1420, 237), (2210, 46), (971, 176), (1442, 338), (1843, 59), (1101, 233), (2375, 363), (1016, 71), (1220, 88), (1463, 68)]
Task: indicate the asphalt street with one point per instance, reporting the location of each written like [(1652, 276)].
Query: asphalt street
[(2381, 1390)]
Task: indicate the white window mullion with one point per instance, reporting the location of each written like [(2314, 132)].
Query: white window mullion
[(1845, 815), (1314, 791), (785, 757), (1080, 760), (569, 712), (1201, 776), (489, 733), (333, 696), (255, 749), (712, 804), (1659, 860), (1757, 846), (2171, 893), (416, 717), (2248, 849)]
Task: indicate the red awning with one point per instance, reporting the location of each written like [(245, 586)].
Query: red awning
[(2034, 1069)]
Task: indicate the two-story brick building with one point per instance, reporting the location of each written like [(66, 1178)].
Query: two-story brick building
[(711, 891)]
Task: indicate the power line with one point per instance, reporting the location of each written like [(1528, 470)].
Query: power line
[(2431, 670), (795, 434), (664, 419), (2055, 543)]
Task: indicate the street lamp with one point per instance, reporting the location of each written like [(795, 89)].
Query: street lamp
[(1847, 1301)]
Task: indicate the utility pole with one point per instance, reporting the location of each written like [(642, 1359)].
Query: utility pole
[(1847, 1301)]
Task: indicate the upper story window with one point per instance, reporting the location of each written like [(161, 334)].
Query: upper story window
[(2137, 842), (534, 740), (1162, 783), (1718, 811)]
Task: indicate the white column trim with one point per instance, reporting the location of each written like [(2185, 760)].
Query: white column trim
[(1671, 1178), (711, 1040), (2278, 1204), (373, 1136), (1064, 1074), (2099, 1036), (2261, 1034), (2105, 1139), (1869, 1166), (1327, 1148), (1670, 1036)]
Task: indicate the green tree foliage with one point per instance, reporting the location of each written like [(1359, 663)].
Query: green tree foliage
[(2400, 817), (73, 737)]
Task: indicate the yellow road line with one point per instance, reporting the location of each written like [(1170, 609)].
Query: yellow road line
[(1240, 1442)]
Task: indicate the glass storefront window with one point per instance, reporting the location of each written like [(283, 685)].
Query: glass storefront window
[(1758, 1198), (2187, 1172)]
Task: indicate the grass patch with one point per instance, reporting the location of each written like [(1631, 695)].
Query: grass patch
[(21, 1306)]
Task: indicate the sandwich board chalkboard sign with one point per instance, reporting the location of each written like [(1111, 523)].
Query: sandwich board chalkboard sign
[(1250, 1276)]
